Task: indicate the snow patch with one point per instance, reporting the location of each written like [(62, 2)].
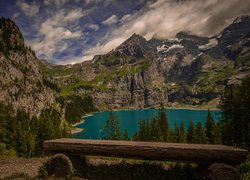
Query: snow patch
[(166, 48), (161, 48), (197, 56), (237, 20), (212, 43), (174, 40), (175, 46)]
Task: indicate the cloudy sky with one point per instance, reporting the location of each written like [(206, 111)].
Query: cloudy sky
[(72, 31)]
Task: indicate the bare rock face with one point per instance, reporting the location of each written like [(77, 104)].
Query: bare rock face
[(21, 81), (133, 91), (235, 32), (135, 46)]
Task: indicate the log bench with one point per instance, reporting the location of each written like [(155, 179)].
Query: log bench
[(178, 152)]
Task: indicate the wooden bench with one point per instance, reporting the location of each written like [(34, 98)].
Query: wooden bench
[(178, 152)]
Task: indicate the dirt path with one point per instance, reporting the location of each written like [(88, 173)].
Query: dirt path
[(97, 168), (10, 167)]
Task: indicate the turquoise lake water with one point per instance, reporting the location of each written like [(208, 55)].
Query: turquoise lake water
[(129, 119)]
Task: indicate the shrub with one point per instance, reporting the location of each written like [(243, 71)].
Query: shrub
[(6, 153), (58, 165)]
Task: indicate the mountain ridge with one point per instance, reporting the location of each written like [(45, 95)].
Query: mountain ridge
[(178, 61), (187, 70)]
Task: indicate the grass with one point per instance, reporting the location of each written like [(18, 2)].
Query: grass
[(243, 60), (110, 68), (100, 81), (244, 169), (59, 70), (212, 77), (69, 89)]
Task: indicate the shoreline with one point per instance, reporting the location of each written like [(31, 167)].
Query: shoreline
[(76, 130), (76, 124), (82, 121), (187, 108), (194, 108)]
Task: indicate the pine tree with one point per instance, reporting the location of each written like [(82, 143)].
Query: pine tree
[(176, 133), (235, 125), (136, 137), (191, 133), (200, 134), (210, 128), (217, 134), (245, 107), (163, 125), (111, 128), (126, 136), (147, 131), (142, 130), (182, 133), (154, 129), (25, 135)]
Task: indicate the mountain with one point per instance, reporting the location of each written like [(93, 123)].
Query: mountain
[(187, 70), (22, 82)]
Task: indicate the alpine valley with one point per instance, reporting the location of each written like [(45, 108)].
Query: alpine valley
[(184, 71)]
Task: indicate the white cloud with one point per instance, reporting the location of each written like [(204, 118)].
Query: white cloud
[(57, 3), (125, 18), (48, 2), (54, 33), (163, 19), (87, 2), (74, 60), (95, 27), (74, 15), (29, 9), (111, 20), (15, 15)]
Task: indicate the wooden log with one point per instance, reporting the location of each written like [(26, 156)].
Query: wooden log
[(198, 153)]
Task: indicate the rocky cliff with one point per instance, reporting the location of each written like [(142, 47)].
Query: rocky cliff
[(22, 83)]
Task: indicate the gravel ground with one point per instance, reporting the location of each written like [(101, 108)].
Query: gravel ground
[(30, 167), (10, 167)]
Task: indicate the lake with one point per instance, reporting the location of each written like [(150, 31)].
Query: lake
[(129, 119)]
